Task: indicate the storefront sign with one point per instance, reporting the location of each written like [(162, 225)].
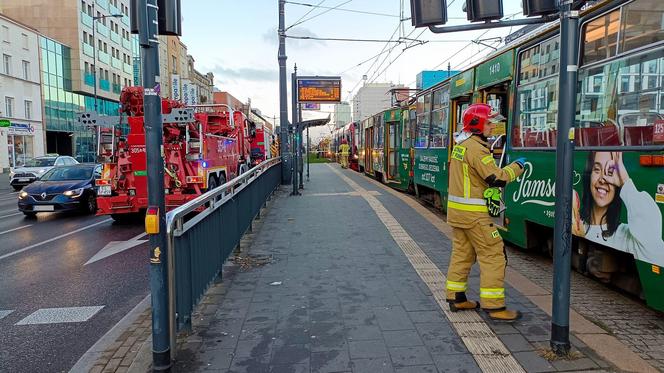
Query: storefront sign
[(21, 129), (186, 92), (175, 87), (4, 123)]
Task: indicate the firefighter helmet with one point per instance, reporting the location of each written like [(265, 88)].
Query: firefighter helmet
[(344, 141), (476, 116)]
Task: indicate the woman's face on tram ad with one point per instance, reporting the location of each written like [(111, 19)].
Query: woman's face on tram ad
[(603, 168)]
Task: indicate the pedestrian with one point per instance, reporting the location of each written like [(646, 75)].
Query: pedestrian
[(344, 151), (474, 198)]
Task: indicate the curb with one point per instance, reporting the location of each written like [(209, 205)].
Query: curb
[(87, 361)]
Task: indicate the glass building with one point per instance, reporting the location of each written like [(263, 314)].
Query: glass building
[(63, 134)]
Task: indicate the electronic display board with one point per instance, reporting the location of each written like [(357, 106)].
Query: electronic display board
[(319, 89)]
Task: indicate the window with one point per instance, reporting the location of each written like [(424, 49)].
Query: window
[(601, 37), (620, 102), (440, 118), (423, 117), (28, 109), (642, 23), (408, 119), (5, 34), (26, 70), (24, 41), (537, 96), (9, 107), (7, 64), (85, 37)]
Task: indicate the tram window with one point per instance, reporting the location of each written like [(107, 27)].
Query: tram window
[(600, 37), (529, 65), (642, 23), (460, 108), (538, 108), (620, 102), (440, 118), (423, 117), (405, 129)]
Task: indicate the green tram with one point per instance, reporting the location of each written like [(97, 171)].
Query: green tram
[(385, 147), (618, 134)]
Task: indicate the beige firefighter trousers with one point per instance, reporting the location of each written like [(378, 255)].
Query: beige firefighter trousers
[(344, 160), (482, 243)]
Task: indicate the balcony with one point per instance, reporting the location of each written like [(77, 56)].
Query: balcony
[(116, 38), (86, 19), (103, 30), (89, 79), (103, 4), (105, 85), (125, 20), (116, 63), (126, 44), (88, 50), (116, 88), (104, 57), (113, 10), (127, 68)]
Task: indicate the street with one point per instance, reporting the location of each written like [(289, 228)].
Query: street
[(54, 307)]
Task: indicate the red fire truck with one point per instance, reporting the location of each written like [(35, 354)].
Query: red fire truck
[(204, 146)]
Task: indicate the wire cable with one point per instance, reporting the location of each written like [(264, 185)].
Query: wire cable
[(344, 9), (305, 14), (343, 39), (320, 14)]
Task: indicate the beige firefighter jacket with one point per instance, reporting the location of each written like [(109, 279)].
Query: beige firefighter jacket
[(344, 149), (473, 170)]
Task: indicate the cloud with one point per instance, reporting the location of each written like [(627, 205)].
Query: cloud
[(226, 74), (271, 37)]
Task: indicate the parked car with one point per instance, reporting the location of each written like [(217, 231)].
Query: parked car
[(60, 189), (34, 168)]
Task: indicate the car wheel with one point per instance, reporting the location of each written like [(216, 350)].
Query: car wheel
[(30, 214), (89, 204), (17, 187)]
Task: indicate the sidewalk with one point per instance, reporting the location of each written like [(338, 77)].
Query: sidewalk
[(349, 277)]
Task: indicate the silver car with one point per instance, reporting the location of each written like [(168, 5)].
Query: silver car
[(34, 168)]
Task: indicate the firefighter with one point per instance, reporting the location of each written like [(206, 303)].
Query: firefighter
[(344, 151), (473, 198)]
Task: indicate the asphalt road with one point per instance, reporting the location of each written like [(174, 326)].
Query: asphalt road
[(54, 307)]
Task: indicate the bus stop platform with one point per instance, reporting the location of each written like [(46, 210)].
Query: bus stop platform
[(349, 277)]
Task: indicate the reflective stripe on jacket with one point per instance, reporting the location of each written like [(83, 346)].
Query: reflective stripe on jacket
[(344, 149), (472, 171)]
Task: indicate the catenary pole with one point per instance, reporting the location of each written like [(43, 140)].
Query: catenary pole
[(562, 256), (148, 30), (283, 100), (294, 127), (300, 139), (308, 151)]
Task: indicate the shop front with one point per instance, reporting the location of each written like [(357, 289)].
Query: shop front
[(24, 141)]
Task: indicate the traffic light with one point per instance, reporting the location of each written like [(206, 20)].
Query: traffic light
[(426, 13), (170, 22), (484, 10), (539, 7)]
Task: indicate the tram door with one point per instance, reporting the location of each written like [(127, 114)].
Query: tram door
[(368, 150), (392, 162), (459, 105), (497, 98)]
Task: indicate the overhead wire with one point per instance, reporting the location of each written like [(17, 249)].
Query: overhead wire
[(305, 14), (320, 14), (345, 10)]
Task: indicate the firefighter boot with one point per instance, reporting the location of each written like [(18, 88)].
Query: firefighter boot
[(461, 303), (503, 314)]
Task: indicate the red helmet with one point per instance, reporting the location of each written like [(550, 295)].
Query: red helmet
[(476, 116), (344, 141)]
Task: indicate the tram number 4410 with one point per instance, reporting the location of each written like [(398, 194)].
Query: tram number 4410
[(494, 69)]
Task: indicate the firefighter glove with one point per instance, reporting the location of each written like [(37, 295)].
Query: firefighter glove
[(521, 162), (492, 197)]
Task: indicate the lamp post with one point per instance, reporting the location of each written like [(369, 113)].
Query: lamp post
[(94, 49)]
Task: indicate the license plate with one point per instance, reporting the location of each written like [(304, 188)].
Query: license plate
[(43, 208), (104, 190), (22, 179)]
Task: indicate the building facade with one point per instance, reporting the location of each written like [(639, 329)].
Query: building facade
[(20, 94), (203, 84), (342, 114), (371, 99), (87, 56)]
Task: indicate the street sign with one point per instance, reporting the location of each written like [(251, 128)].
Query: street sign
[(5, 123), (319, 89), (311, 106)]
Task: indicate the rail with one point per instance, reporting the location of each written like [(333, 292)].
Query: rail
[(204, 232)]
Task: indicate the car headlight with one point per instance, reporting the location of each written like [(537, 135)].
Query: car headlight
[(74, 193), (23, 195)]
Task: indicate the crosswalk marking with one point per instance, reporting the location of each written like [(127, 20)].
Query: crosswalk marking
[(60, 315), (5, 313)]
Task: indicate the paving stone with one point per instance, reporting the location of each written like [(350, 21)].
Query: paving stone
[(578, 364), (367, 349), (426, 317), (373, 365), (215, 358), (294, 368), (402, 338), (290, 354), (417, 369), (457, 363), (515, 342), (402, 356), (250, 365), (532, 362), (393, 318), (330, 361), (363, 332)]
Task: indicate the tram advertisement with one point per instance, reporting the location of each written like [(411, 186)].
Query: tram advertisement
[(617, 203), (429, 167)]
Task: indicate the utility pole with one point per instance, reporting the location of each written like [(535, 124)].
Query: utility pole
[(300, 163), (562, 253), (148, 30), (294, 129), (308, 152), (283, 103)]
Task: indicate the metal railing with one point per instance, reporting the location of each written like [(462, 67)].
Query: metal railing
[(203, 233)]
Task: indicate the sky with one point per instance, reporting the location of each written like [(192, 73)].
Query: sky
[(237, 41)]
